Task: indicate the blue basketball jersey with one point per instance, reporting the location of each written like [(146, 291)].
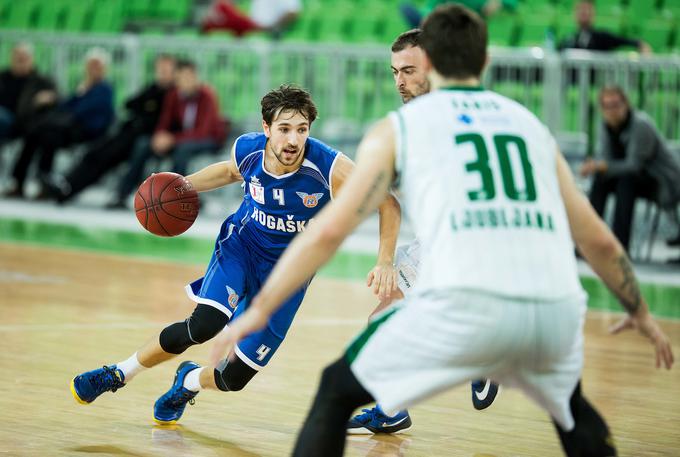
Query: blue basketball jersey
[(276, 208)]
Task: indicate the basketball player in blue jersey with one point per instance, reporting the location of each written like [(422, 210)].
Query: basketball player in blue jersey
[(288, 178), (410, 78)]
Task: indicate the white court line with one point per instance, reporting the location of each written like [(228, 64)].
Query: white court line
[(60, 327)]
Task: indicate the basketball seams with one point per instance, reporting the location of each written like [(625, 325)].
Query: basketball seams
[(153, 207), (146, 210), (160, 194)]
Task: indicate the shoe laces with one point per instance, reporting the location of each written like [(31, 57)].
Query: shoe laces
[(107, 380), (369, 415), (181, 397)]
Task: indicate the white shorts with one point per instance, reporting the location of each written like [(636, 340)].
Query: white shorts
[(428, 343), (406, 262)]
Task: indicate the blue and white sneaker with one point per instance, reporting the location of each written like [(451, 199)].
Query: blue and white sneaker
[(170, 406), (374, 420), (483, 393), (86, 387)]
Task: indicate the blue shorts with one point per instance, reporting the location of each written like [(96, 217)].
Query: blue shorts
[(235, 275)]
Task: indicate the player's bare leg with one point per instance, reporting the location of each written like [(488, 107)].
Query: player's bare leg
[(191, 378)]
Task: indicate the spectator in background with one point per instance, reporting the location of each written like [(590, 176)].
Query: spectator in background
[(84, 116), (265, 15), (144, 111), (189, 124), (592, 39), (633, 161), (485, 8), (24, 93)]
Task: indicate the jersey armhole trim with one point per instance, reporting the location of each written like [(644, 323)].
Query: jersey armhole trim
[(330, 173)]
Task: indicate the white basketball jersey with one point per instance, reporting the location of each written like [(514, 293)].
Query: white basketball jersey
[(477, 173)]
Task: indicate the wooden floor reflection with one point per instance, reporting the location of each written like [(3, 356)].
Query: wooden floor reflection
[(63, 312)]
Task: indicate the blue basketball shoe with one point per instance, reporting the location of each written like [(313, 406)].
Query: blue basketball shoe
[(483, 393), (170, 406), (374, 420), (88, 386)]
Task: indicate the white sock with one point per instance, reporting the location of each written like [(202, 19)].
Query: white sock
[(130, 367), (192, 380)]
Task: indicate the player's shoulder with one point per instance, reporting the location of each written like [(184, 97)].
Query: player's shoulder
[(247, 148), (320, 157), (253, 141), (319, 148)]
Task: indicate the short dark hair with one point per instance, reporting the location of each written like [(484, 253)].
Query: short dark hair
[(288, 98), (455, 38), (410, 38), (185, 64)]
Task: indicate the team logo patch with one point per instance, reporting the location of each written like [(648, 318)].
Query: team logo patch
[(233, 297), (310, 201), (256, 190)]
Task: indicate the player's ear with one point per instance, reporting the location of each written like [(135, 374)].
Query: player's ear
[(427, 64), (265, 129)]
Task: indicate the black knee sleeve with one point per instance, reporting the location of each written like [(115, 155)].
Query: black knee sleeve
[(590, 436), (233, 375), (203, 324)]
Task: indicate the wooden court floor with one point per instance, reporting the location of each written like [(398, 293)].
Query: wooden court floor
[(63, 312)]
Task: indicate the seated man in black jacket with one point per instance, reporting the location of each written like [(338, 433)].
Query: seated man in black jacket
[(592, 39), (144, 109), (24, 93)]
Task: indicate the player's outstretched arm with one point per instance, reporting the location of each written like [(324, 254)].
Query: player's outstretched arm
[(369, 185), (608, 259), (215, 176), (383, 277)]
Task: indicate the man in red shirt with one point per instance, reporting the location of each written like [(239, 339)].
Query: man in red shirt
[(190, 124)]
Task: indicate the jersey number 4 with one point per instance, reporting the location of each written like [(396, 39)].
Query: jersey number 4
[(503, 144)]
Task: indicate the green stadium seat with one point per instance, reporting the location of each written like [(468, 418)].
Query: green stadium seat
[(303, 29), (503, 30), (175, 10), (50, 15), (22, 15), (614, 24), (77, 13), (639, 10), (609, 8), (138, 9), (4, 10), (364, 29), (533, 30), (107, 16), (334, 27), (658, 33), (393, 26)]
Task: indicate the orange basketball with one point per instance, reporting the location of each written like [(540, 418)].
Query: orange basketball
[(165, 204)]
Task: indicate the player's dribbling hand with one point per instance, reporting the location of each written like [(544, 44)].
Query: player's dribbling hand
[(250, 321), (648, 327), (383, 279)]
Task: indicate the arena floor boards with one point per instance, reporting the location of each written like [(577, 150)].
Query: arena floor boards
[(63, 312)]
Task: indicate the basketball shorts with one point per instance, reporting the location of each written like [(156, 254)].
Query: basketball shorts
[(406, 262), (233, 277), (430, 342)]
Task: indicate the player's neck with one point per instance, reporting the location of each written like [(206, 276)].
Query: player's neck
[(439, 82)]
